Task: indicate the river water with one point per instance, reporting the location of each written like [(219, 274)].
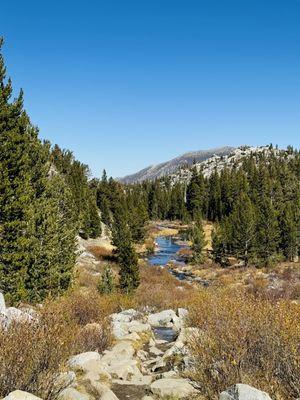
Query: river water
[(167, 247)]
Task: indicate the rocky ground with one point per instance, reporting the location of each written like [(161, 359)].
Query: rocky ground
[(148, 361)]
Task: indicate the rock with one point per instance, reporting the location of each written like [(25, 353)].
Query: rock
[(91, 365), (64, 380), (124, 369), (243, 392), (169, 374), (132, 337), (121, 329), (163, 318), (20, 395), (142, 355), (15, 315), (122, 350), (108, 395), (80, 361), (125, 316), (147, 398), (71, 394), (2, 304), (178, 388), (182, 313), (143, 380), (155, 351)]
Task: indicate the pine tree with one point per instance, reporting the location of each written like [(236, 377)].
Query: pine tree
[(55, 230), (198, 242), (37, 232), (20, 178), (107, 283), (195, 195), (127, 258), (289, 232), (219, 252), (243, 222), (267, 231)]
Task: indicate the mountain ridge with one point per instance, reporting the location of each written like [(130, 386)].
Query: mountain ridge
[(160, 170)]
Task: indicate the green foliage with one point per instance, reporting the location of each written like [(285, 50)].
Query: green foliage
[(107, 282), (198, 242), (37, 228), (195, 195), (127, 258)]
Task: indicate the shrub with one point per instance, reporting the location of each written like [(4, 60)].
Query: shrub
[(245, 339), (31, 355)]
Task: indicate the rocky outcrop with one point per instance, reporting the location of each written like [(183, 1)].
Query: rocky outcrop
[(243, 392)]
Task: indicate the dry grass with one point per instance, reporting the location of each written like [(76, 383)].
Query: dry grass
[(101, 252), (246, 339), (160, 290), (31, 355)]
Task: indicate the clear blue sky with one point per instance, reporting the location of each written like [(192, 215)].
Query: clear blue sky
[(128, 83)]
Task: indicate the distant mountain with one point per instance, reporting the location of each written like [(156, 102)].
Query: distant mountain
[(170, 167), (218, 162)]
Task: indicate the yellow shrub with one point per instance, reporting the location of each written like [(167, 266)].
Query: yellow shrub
[(246, 339)]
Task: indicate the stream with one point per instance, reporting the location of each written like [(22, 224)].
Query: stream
[(167, 248)]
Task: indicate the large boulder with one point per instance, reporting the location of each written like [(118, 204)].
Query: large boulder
[(179, 388), (20, 395), (243, 392), (167, 318), (91, 365)]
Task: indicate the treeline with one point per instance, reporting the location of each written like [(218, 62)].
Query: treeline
[(45, 201), (255, 205)]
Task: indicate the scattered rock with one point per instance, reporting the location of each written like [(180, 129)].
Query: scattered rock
[(179, 388), (243, 392)]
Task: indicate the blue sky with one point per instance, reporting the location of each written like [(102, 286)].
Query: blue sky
[(125, 84)]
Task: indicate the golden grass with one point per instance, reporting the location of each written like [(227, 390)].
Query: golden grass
[(244, 338)]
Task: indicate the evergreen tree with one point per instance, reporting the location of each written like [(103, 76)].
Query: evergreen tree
[(107, 283), (127, 258), (195, 195), (267, 231), (289, 233), (198, 242), (37, 233), (243, 222)]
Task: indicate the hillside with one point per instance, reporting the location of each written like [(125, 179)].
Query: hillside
[(235, 158), (158, 171)]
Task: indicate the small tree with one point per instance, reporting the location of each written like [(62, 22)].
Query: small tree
[(107, 282), (199, 242), (127, 258)]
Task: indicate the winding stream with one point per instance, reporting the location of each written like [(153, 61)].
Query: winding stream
[(167, 248)]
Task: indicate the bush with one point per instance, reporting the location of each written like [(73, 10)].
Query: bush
[(31, 355), (248, 340)]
